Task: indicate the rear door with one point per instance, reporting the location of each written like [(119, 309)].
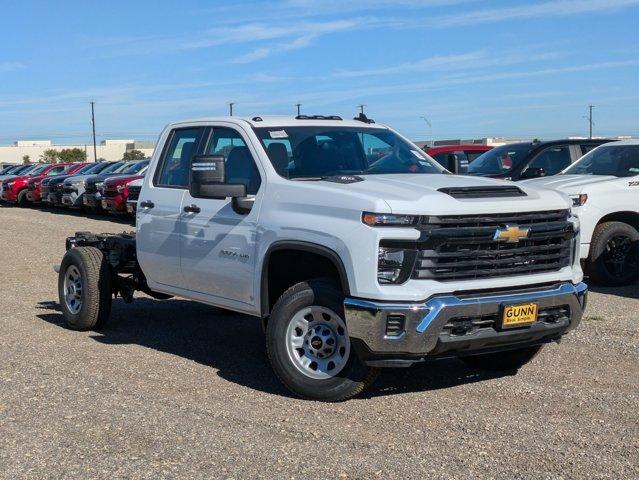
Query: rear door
[(159, 209), (218, 243)]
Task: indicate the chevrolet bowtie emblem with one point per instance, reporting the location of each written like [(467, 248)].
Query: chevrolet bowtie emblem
[(511, 234)]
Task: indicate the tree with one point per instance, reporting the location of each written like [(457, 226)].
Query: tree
[(69, 155), (26, 159), (133, 155), (50, 155)]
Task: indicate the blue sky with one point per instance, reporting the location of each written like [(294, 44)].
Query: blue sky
[(473, 68)]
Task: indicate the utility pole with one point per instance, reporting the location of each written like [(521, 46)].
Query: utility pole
[(298, 105), (590, 107), (231, 108), (95, 148), (361, 108)]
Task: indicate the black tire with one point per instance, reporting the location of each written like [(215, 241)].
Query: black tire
[(614, 254), (22, 198), (350, 381), (503, 361), (96, 291)]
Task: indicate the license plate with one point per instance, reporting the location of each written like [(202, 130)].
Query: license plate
[(129, 208), (519, 315), (105, 204)]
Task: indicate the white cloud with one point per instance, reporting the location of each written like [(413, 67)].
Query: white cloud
[(11, 66), (529, 10)]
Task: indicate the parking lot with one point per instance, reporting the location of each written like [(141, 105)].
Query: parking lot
[(182, 390)]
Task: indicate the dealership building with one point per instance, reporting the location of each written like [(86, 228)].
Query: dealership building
[(106, 149)]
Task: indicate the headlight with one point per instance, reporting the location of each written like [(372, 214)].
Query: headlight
[(10, 184), (579, 200), (394, 265), (79, 183), (388, 220), (119, 188), (99, 185)]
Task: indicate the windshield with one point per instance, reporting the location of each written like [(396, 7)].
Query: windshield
[(136, 167), (500, 160), (316, 152), (615, 160), (113, 167)]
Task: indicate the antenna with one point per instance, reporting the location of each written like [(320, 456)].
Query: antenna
[(430, 126), (230, 104), (361, 108), (298, 105)]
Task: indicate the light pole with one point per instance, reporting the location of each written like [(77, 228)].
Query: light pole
[(361, 108), (95, 148), (590, 107), (298, 105), (231, 108)]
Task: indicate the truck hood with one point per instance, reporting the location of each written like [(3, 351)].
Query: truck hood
[(570, 184), (419, 194)]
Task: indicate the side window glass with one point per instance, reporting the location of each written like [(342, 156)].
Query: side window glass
[(240, 165), (553, 159), (177, 157)]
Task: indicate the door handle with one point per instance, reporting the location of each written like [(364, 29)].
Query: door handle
[(147, 204), (192, 209)]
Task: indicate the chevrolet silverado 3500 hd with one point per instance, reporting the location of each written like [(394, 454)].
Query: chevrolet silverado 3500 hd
[(355, 249)]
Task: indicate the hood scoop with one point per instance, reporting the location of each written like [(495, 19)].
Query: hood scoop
[(483, 192)]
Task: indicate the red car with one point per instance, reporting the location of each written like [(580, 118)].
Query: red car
[(15, 189), (465, 154), (116, 193)]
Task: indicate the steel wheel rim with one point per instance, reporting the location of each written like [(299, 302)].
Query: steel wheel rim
[(73, 289), (619, 256), (317, 342)]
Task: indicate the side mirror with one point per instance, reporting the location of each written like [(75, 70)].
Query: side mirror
[(533, 173), (457, 165), (208, 179)]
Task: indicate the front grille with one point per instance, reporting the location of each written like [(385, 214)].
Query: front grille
[(90, 188), (463, 247), (460, 326), (110, 192), (134, 192), (68, 190)]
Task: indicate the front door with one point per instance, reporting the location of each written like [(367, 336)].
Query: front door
[(159, 210), (218, 243)]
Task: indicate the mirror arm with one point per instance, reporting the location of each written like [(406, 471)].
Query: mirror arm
[(243, 205)]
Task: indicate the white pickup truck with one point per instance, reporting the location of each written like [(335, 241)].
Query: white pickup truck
[(604, 187), (354, 248)]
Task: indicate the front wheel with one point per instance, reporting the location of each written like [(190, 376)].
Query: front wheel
[(503, 361), (22, 198), (308, 344), (614, 254)]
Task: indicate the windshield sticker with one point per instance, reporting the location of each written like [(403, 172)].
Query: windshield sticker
[(278, 134)]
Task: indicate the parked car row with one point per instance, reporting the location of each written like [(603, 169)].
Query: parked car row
[(92, 187)]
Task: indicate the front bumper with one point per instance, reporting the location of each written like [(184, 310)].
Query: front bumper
[(115, 204), (92, 200), (72, 200), (431, 328)]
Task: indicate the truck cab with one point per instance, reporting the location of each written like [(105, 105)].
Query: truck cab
[(355, 249)]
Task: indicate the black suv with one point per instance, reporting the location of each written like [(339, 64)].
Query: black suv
[(519, 161)]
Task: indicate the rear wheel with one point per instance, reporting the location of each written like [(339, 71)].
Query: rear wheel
[(503, 361), (614, 254), (84, 288), (308, 344)]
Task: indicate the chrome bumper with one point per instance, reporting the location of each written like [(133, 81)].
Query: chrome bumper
[(423, 330)]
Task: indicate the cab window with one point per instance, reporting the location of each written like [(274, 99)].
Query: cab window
[(176, 161), (239, 163), (553, 159)]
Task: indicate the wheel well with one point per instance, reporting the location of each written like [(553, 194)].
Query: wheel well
[(631, 218), (286, 266)]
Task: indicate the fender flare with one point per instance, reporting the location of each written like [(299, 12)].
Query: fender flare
[(309, 247)]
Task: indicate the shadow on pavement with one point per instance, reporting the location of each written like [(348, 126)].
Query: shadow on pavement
[(627, 291), (234, 345)]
